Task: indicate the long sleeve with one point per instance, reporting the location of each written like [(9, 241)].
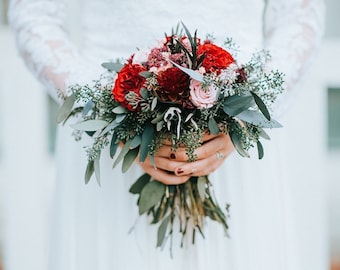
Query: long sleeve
[(43, 42), (292, 32)]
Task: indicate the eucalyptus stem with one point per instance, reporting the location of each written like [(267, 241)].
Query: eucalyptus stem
[(193, 205), (172, 217)]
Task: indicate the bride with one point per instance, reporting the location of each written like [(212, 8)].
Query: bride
[(90, 224)]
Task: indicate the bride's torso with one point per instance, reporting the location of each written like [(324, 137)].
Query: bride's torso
[(114, 29)]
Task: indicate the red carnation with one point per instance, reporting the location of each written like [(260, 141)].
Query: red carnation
[(128, 80), (215, 58), (173, 86)]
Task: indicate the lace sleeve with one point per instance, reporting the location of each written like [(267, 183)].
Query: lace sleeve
[(43, 42), (292, 33)]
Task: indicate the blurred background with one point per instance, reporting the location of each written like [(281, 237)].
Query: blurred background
[(27, 133)]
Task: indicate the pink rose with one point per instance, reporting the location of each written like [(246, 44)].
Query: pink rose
[(203, 97)]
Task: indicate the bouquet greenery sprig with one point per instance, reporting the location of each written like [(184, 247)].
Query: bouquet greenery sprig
[(176, 91)]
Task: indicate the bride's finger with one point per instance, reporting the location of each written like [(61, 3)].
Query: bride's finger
[(166, 177), (210, 156), (212, 144), (221, 143), (167, 152), (163, 163), (162, 175), (201, 167)]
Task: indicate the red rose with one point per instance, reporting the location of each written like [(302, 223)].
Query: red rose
[(173, 86), (128, 80), (215, 58)]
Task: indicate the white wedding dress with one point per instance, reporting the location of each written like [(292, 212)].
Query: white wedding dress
[(90, 224)]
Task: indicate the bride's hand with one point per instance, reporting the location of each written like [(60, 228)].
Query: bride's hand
[(172, 167)]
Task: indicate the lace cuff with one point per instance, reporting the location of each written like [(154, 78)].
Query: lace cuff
[(44, 43)]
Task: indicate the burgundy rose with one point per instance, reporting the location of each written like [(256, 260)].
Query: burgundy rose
[(173, 86), (242, 75)]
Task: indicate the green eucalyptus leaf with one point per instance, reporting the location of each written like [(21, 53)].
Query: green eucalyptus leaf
[(236, 104), (147, 137), (185, 50), (193, 44), (88, 106), (189, 116), (89, 171), (120, 118), (144, 93), (150, 195), (112, 66), (200, 59), (113, 145), (122, 153), (238, 145), (119, 110), (90, 125), (74, 112), (90, 133), (97, 169), (213, 126), (261, 105), (162, 231), (256, 118), (187, 32), (137, 187), (192, 73), (158, 118), (129, 158), (66, 109), (109, 127), (263, 134), (201, 184), (159, 125), (154, 103), (152, 160), (146, 74), (260, 149), (136, 141)]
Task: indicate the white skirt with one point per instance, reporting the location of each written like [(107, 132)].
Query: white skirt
[(275, 216)]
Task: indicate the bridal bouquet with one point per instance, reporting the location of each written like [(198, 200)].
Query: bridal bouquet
[(176, 92)]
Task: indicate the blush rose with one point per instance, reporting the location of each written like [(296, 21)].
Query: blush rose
[(203, 97)]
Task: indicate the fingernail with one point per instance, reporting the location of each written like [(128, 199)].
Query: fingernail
[(172, 156), (179, 171)]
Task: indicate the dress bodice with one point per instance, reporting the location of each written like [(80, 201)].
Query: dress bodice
[(123, 27)]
